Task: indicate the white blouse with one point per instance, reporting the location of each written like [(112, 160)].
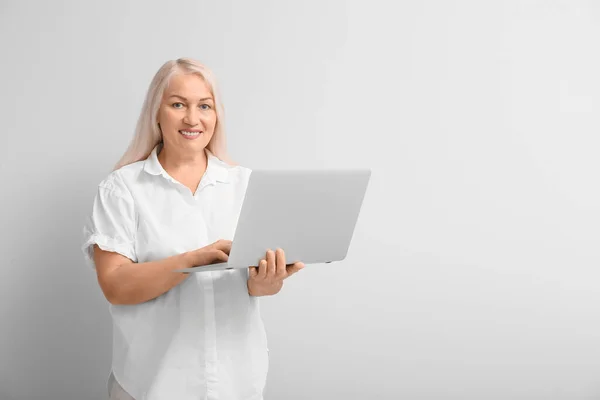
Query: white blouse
[(204, 338)]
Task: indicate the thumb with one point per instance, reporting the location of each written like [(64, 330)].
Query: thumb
[(291, 270)]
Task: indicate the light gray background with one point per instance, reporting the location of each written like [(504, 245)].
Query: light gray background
[(474, 269)]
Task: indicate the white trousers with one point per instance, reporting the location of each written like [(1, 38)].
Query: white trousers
[(115, 391)]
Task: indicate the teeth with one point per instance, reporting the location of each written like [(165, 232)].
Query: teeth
[(186, 133)]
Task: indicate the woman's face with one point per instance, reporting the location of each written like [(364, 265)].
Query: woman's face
[(187, 114)]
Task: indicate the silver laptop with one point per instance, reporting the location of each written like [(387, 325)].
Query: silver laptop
[(310, 214)]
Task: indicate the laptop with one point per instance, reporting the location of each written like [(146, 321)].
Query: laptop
[(310, 214)]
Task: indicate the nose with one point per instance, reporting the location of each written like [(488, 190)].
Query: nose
[(191, 117)]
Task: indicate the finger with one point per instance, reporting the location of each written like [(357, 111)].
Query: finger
[(262, 269), (280, 261), (253, 272), (223, 245), (271, 266), (292, 269), (220, 256)]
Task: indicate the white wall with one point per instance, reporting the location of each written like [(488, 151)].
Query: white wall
[(473, 272)]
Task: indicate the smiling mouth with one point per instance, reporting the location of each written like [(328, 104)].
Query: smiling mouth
[(190, 133)]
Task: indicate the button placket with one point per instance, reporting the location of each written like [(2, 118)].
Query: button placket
[(203, 206)]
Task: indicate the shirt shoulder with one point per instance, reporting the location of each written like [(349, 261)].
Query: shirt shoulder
[(238, 175), (120, 181)]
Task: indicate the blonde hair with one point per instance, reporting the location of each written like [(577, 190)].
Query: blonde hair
[(147, 133)]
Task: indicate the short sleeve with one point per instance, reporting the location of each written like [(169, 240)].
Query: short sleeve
[(111, 224)]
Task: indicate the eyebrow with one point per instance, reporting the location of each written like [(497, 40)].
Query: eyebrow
[(183, 98)]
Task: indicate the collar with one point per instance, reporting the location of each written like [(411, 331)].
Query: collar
[(216, 170)]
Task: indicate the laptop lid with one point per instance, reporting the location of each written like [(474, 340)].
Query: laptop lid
[(310, 214)]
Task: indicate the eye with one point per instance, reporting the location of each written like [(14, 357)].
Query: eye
[(208, 107), (176, 105)]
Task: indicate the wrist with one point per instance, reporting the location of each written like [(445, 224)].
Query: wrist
[(184, 260), (252, 289)]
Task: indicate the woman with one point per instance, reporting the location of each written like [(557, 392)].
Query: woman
[(172, 202)]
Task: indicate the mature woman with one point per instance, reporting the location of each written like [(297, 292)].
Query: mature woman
[(172, 202)]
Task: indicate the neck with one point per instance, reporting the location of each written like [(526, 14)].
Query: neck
[(190, 165)]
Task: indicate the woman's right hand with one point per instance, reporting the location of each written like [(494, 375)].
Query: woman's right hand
[(216, 252)]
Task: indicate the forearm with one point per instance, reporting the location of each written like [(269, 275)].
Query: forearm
[(135, 283)]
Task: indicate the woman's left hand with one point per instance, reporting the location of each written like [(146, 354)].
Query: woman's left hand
[(267, 278)]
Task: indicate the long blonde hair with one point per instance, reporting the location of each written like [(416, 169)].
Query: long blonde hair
[(147, 133)]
